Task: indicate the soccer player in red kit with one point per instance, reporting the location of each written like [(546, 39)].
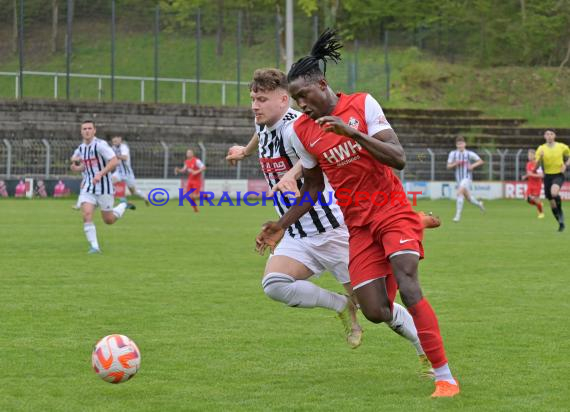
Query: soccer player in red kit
[(534, 182), (348, 138), (194, 167)]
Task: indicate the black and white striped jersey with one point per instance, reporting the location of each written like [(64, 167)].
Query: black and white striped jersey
[(465, 158), (124, 168), (95, 156), (276, 157)]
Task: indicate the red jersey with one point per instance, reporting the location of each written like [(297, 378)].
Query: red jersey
[(534, 184), (193, 165), (364, 187)]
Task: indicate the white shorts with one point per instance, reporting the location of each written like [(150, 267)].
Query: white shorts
[(322, 252), (128, 179), (465, 183), (105, 202)]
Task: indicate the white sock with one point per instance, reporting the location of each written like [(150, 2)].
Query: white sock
[(78, 204), (120, 210), (403, 324), (91, 234), (140, 194), (444, 374), (301, 293), (474, 201), (459, 206)]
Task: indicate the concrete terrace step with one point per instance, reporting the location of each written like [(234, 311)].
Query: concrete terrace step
[(86, 109), (454, 121), (189, 110), (432, 112), (479, 129)]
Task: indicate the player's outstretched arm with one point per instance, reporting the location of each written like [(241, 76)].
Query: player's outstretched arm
[(178, 170), (272, 232), (476, 164), (198, 171), (384, 146), (237, 153)]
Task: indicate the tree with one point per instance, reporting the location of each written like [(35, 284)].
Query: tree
[(220, 29), (54, 24)]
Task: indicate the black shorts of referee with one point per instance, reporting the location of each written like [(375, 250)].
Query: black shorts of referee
[(549, 180)]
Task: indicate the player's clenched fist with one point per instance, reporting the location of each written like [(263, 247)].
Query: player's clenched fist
[(270, 235), (236, 153)]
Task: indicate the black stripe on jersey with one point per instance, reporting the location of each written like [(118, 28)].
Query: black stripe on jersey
[(314, 215), (282, 212), (263, 137), (126, 167), (328, 212), (275, 146), (106, 177), (100, 168), (89, 169), (297, 224)]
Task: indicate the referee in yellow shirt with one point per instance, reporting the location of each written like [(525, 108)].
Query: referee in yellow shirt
[(554, 158)]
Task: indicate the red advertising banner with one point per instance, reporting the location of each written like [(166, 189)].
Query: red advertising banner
[(517, 190), (257, 185)]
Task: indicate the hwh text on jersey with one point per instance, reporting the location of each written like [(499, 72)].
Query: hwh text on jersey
[(343, 151)]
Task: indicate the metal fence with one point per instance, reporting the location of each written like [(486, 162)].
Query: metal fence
[(48, 158), (126, 51)]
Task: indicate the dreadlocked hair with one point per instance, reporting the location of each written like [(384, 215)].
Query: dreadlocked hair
[(325, 48)]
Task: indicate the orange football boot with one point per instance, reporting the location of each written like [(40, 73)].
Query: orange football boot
[(444, 389)]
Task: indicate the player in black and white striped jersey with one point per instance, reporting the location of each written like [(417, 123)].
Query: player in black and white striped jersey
[(277, 156), (318, 241), (464, 162), (124, 171), (96, 160)]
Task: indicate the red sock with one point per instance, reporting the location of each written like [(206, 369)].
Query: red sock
[(539, 206), (428, 332)]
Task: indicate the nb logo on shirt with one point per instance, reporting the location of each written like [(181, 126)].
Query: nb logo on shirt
[(343, 151)]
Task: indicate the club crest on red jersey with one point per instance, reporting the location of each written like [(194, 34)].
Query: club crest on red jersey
[(354, 123)]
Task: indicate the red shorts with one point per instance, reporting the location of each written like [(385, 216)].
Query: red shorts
[(194, 184), (371, 246), (533, 191)]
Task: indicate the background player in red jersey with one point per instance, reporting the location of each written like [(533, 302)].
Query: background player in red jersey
[(349, 139), (194, 167), (534, 182)]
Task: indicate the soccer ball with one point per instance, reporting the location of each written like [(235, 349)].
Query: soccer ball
[(116, 358)]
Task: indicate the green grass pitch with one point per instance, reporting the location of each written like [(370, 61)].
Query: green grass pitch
[(186, 288)]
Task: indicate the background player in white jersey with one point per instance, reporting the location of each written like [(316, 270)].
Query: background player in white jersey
[(96, 161), (464, 162), (124, 171), (319, 240)]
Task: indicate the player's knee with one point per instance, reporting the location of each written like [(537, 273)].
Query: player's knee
[(109, 219), (378, 314), (279, 287)]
